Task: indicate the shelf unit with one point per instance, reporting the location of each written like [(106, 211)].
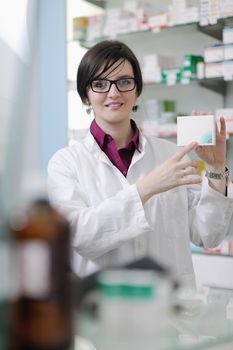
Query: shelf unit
[(208, 86), (215, 30), (213, 91), (218, 85)]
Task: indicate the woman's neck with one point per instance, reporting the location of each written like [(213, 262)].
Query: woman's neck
[(122, 133)]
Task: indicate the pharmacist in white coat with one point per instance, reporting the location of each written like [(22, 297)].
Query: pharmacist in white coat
[(127, 195)]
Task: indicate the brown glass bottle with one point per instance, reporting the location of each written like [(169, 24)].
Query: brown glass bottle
[(41, 309)]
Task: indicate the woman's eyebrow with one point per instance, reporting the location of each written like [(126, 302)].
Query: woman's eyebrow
[(126, 76), (118, 77)]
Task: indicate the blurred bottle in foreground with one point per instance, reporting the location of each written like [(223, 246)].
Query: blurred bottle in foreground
[(4, 284), (41, 305), (134, 309)]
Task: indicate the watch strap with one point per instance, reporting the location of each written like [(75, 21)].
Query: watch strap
[(217, 176)]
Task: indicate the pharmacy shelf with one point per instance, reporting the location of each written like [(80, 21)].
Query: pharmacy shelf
[(218, 85), (215, 30), (100, 3), (194, 26)]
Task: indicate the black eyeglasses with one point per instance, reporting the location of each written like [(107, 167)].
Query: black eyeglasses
[(104, 85)]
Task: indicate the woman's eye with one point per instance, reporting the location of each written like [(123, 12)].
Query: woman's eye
[(124, 82), (99, 84)]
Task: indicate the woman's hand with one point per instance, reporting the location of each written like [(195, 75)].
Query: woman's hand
[(215, 156), (171, 173)]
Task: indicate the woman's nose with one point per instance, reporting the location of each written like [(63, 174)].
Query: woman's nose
[(113, 90)]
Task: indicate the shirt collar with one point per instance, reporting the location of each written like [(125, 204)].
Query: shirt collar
[(98, 133), (135, 138), (100, 136)]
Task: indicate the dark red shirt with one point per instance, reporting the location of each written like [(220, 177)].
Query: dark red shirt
[(120, 158)]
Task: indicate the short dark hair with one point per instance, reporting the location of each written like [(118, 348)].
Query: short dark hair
[(104, 55)]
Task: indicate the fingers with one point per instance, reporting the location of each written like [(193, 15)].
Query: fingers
[(190, 180), (190, 171), (187, 169), (222, 126), (185, 150), (188, 163)]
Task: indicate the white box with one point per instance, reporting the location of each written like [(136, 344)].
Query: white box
[(214, 70), (214, 53), (228, 52), (199, 128), (227, 35)]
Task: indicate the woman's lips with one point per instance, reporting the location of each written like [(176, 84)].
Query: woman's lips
[(114, 105)]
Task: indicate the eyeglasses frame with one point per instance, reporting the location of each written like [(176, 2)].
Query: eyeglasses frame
[(111, 83)]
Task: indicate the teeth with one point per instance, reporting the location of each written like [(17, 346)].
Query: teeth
[(115, 104)]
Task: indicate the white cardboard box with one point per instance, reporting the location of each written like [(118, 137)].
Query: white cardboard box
[(199, 128)]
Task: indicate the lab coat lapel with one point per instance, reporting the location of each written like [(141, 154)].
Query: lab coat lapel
[(94, 148)]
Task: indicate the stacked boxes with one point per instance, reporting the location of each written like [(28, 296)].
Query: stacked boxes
[(212, 10), (190, 67), (153, 65), (227, 35), (226, 8), (171, 76), (219, 57), (95, 28), (228, 42), (183, 11), (209, 12), (131, 17), (88, 28), (80, 28)]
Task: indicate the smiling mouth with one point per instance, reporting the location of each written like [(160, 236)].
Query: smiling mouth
[(114, 105)]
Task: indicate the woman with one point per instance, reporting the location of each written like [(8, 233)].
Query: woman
[(128, 195)]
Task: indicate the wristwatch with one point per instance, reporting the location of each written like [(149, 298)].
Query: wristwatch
[(218, 176)]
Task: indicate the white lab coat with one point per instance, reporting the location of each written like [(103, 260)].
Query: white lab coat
[(109, 223)]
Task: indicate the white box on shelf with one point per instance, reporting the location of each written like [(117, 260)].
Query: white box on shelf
[(228, 52), (227, 35), (214, 53), (228, 70), (199, 128), (214, 70)]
